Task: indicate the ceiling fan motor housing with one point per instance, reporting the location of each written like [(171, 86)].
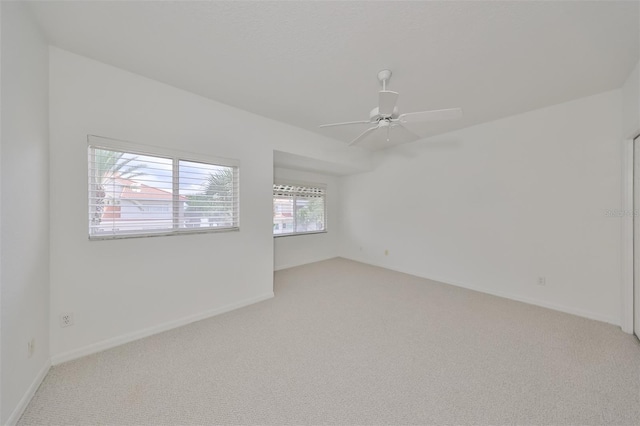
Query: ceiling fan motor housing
[(374, 115)]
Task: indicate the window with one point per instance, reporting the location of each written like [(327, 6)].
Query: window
[(134, 192), (298, 209)]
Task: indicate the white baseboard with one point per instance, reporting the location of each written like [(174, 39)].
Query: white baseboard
[(26, 398), (293, 265), (511, 296), (130, 337)]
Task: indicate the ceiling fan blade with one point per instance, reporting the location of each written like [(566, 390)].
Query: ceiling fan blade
[(435, 115), (387, 102), (409, 132), (400, 135), (362, 136), (346, 124), (395, 134)]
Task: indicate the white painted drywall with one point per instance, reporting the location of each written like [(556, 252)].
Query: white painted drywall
[(309, 63), (25, 206), (631, 104), (116, 289), (497, 205), (297, 250)]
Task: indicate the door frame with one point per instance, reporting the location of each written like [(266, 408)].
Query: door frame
[(626, 293)]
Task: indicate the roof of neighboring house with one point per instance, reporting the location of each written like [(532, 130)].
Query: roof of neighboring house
[(283, 216), (132, 190)]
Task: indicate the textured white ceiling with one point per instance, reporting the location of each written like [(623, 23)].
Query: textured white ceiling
[(309, 63), (287, 160)]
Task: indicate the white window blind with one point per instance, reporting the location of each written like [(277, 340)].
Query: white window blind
[(298, 209), (134, 193)]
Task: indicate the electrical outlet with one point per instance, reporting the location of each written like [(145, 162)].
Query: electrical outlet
[(66, 319), (386, 252), (31, 347), (542, 280)]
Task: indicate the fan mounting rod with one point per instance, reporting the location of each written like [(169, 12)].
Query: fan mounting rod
[(384, 77)]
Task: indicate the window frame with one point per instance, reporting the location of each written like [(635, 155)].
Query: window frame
[(322, 186), (105, 143)]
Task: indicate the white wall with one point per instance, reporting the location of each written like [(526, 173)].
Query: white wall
[(25, 201), (631, 104), (154, 281), (297, 250), (497, 205)]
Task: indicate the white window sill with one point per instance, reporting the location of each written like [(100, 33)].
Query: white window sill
[(296, 234)]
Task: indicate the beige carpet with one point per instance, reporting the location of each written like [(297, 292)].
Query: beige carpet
[(347, 343)]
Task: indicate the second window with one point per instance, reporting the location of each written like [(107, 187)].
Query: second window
[(298, 209)]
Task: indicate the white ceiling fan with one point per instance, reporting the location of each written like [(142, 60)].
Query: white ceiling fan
[(385, 116)]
